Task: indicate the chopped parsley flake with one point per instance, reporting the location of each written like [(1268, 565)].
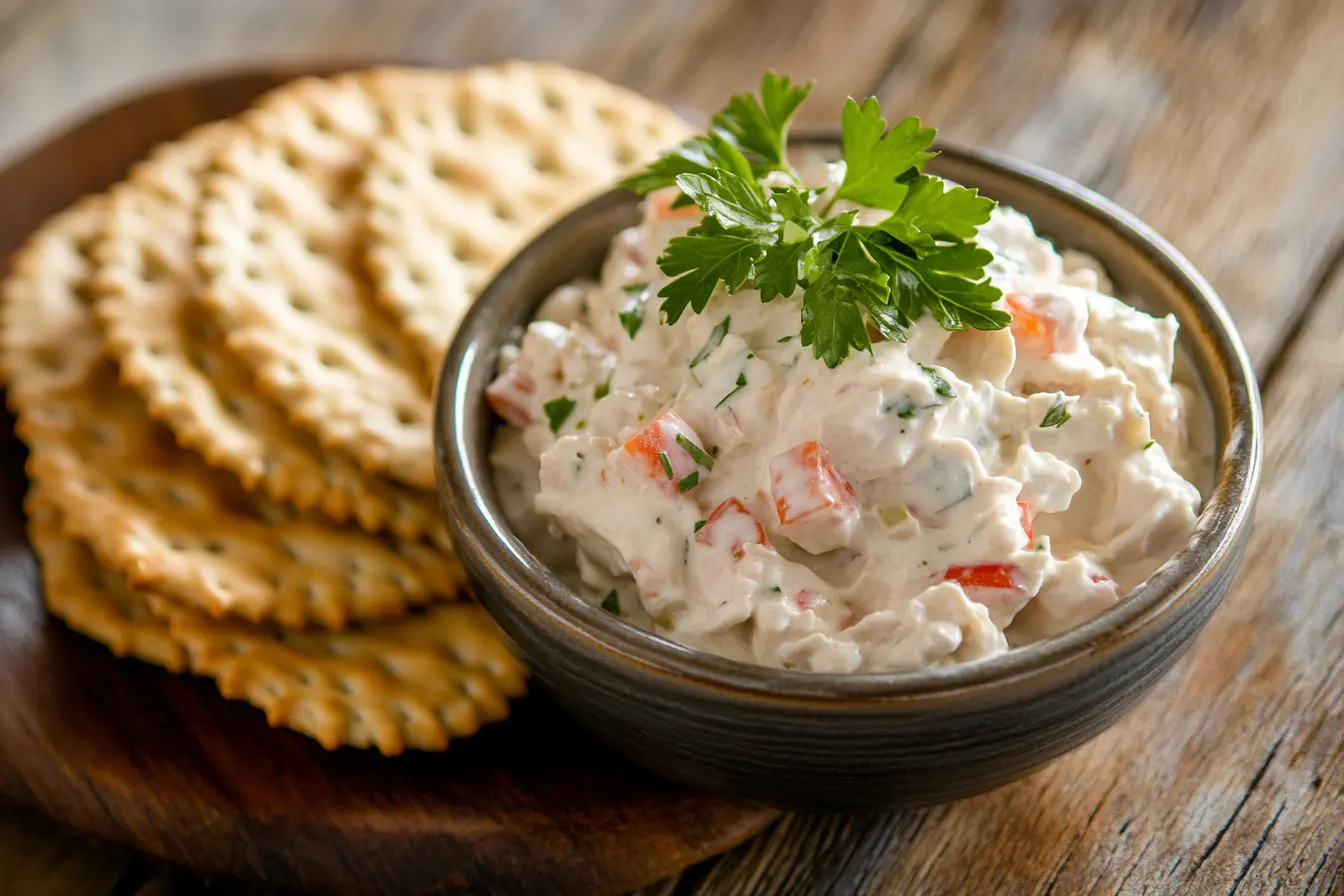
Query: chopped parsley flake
[(784, 339), (1150, 444), (667, 464), (940, 385), (558, 411), (612, 602), (741, 384), (714, 341), (699, 524), (602, 390), (633, 288), (697, 453), (1058, 414), (689, 482), (631, 315)]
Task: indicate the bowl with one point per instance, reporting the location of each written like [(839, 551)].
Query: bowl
[(801, 740)]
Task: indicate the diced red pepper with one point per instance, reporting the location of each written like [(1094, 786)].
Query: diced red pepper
[(816, 506), (994, 575), (658, 452), (1034, 333), (731, 525), (1028, 516), (510, 395), (1104, 580), (807, 600)]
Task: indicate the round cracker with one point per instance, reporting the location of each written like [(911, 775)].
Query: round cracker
[(280, 248), (92, 600), (150, 509), (473, 169), (170, 350), (414, 683)]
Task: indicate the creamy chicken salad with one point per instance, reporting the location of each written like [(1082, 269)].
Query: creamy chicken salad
[(921, 503)]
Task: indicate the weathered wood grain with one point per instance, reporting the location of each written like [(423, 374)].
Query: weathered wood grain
[(40, 858), (1218, 121)]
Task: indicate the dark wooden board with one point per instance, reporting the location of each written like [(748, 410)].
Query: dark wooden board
[(163, 763)]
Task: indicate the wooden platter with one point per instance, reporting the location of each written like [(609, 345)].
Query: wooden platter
[(164, 764)]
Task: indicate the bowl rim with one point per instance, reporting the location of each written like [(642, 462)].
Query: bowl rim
[(465, 482)]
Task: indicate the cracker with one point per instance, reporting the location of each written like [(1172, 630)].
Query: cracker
[(169, 349), (93, 601), (280, 236), (150, 509), (410, 684), (413, 683), (470, 171)]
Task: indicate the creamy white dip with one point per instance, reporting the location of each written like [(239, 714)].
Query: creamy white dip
[(906, 509)]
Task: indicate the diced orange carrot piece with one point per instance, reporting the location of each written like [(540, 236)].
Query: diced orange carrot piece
[(1034, 333), (733, 526), (804, 481), (816, 506), (661, 455), (510, 395), (985, 576)]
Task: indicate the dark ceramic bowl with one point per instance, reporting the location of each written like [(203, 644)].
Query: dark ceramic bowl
[(806, 740)]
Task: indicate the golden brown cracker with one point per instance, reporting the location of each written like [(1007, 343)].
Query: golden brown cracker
[(150, 509), (92, 600), (280, 248), (472, 169), (170, 350), (412, 683)]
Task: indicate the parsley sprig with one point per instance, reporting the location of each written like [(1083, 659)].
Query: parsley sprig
[(762, 225)]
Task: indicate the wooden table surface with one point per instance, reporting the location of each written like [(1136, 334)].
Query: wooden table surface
[(1221, 122)]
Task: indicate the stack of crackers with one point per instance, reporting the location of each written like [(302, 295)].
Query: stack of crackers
[(223, 368)]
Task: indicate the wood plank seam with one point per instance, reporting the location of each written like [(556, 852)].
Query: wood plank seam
[(1330, 268)]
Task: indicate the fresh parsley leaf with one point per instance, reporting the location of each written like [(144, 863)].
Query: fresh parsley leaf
[(557, 412), (714, 341), (843, 278), (741, 384), (876, 158), (920, 260), (631, 314), (689, 482), (948, 283), (952, 215), (776, 273), (796, 206), (1058, 414), (698, 454), (612, 602), (699, 155), (940, 386), (889, 320), (761, 126), (699, 261), (733, 200), (832, 323), (667, 464)]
